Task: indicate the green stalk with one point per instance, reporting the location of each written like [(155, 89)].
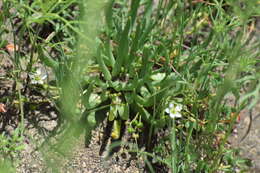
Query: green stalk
[(21, 110), (174, 149)]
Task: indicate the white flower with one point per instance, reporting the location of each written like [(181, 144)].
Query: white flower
[(174, 110), (38, 77)]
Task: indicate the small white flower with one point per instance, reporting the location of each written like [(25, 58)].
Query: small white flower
[(38, 77), (174, 110)]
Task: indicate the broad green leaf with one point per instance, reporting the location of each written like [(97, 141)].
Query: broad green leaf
[(126, 112), (109, 53), (94, 100), (144, 92), (112, 113), (100, 83), (123, 50), (120, 109), (121, 86), (146, 102), (129, 98), (158, 77), (102, 66), (123, 111), (144, 113)]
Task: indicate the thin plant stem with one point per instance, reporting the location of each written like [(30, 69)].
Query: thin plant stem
[(21, 110), (174, 149)]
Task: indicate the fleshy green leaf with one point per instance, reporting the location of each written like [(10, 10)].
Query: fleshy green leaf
[(116, 129), (112, 113)]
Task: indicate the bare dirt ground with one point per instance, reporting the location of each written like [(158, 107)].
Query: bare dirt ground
[(83, 159), (246, 135), (248, 140)]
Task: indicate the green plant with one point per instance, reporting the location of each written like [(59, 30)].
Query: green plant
[(135, 64), (11, 145), (144, 64)]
